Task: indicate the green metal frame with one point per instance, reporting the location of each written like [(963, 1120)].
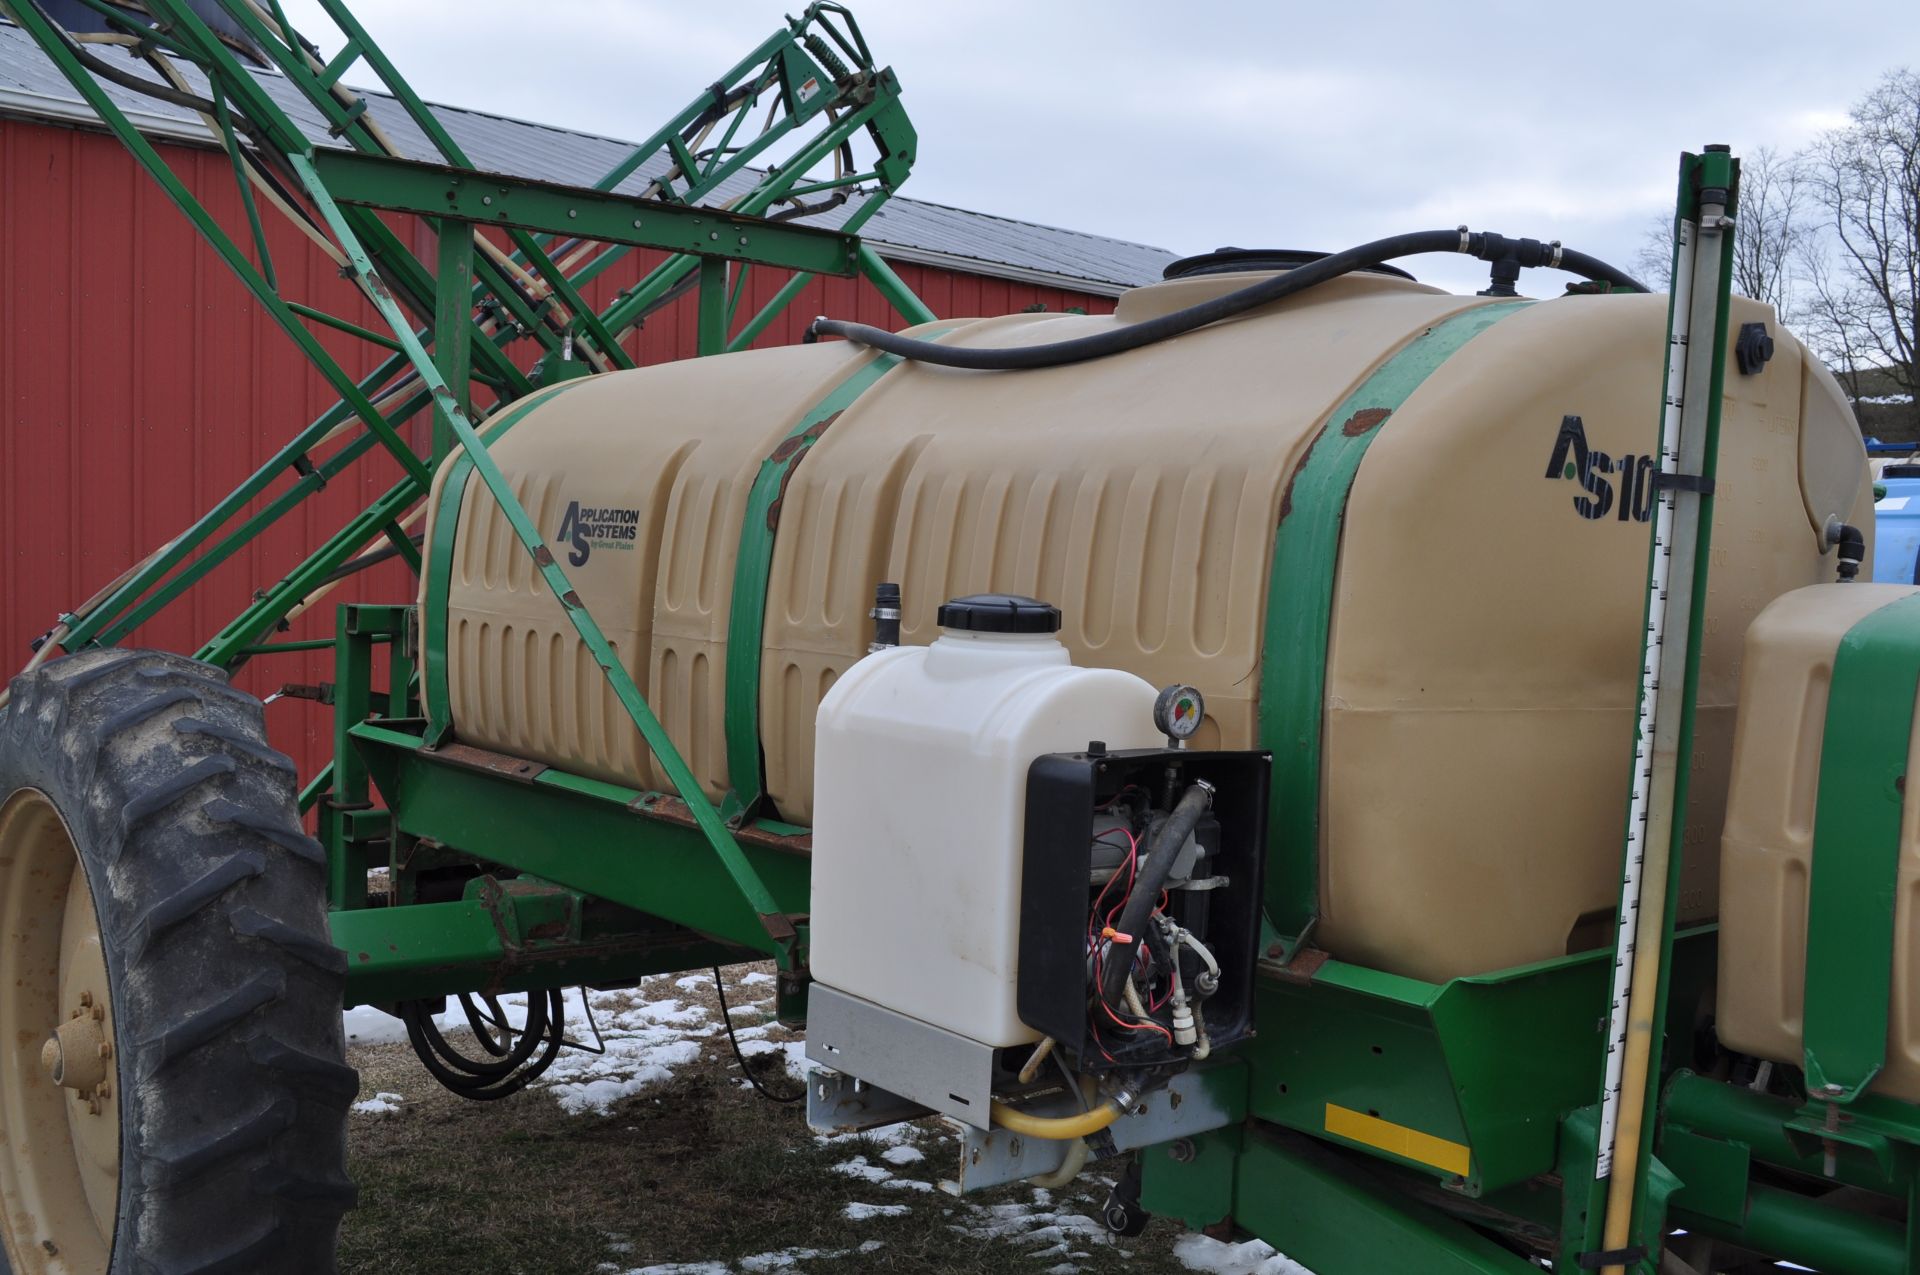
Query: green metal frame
[(453, 327), (1438, 1059), (526, 934), (529, 296), (1698, 174), (490, 199)]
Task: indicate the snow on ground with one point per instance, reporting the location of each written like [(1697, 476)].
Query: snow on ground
[(1036, 1225), (381, 1104), (794, 1053), (646, 1038), (886, 1137), (785, 1259), (897, 1147), (645, 1041), (879, 1175), (859, 1168), (858, 1212), (369, 1026), (1200, 1253), (654, 1029)]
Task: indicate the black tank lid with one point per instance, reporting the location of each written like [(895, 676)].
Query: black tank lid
[(1236, 260), (999, 613)]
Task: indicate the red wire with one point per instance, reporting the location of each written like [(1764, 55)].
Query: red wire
[(1165, 996), (1141, 1025), (1100, 946)]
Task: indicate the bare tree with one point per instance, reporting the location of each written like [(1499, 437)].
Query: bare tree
[(1653, 261), (1771, 226), (1828, 319), (1769, 233), (1865, 180)]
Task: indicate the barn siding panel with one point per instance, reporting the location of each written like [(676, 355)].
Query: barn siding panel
[(140, 382)]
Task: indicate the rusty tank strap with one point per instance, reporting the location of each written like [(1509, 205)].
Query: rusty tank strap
[(1306, 556), (746, 618)]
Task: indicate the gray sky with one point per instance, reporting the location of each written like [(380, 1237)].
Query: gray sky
[(1191, 125)]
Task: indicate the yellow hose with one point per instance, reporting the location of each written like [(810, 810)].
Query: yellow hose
[(1078, 1152), (1061, 1128), (1077, 1155)]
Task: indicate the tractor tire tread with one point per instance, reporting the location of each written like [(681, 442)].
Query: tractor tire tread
[(189, 899), (237, 740), (226, 989)]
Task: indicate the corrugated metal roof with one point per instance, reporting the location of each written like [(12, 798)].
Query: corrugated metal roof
[(904, 229)]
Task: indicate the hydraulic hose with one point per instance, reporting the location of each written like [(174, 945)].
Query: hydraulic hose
[(1173, 834), (1482, 244), (484, 1080), (1058, 1128)]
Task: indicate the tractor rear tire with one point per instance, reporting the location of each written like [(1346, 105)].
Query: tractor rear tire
[(173, 1084)]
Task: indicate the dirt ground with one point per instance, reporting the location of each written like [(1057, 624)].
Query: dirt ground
[(658, 1158)]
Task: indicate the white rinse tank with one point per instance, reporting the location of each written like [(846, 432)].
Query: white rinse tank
[(920, 795)]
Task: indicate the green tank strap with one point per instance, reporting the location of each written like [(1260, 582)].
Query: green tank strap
[(445, 520), (1306, 556), (747, 618), (1852, 896)]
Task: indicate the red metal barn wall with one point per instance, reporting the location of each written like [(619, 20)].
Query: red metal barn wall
[(140, 382)]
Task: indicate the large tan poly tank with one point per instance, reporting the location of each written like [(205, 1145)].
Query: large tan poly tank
[(1485, 636), (1766, 856)]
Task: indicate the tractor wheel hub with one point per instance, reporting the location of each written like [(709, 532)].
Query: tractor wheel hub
[(76, 1056)]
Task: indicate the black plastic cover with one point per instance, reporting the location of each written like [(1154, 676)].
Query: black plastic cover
[(999, 613), (1063, 790)]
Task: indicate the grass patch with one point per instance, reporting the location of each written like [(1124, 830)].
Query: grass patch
[(697, 1173)]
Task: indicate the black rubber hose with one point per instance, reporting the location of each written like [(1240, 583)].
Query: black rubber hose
[(486, 1070), (1485, 245), (726, 1016), (1146, 889), (483, 1025), (140, 84), (488, 1081)]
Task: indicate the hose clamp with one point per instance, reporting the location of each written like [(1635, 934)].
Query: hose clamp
[(1466, 239), (1553, 258)]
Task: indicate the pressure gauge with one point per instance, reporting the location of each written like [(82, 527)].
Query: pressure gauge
[(1178, 711)]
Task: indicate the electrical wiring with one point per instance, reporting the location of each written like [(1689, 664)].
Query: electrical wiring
[(1100, 943), (1127, 1020), (726, 1016)]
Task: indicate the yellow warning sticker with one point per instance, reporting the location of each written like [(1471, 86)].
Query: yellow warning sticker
[(1409, 1144)]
